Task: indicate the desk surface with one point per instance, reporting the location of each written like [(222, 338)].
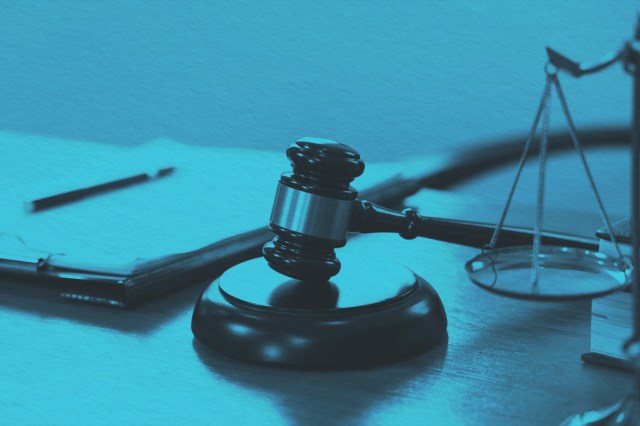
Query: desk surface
[(506, 362)]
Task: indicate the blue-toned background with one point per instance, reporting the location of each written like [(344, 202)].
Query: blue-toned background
[(391, 78)]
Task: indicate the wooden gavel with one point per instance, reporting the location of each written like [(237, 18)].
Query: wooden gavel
[(316, 207)]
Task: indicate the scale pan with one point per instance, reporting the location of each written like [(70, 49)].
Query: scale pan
[(564, 273)]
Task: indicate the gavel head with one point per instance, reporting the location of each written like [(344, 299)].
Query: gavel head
[(312, 209)]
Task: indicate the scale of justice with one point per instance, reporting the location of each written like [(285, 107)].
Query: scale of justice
[(293, 308)]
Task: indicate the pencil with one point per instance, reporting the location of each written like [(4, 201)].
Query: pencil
[(78, 194)]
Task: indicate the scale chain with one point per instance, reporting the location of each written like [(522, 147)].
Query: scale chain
[(523, 159), (544, 143)]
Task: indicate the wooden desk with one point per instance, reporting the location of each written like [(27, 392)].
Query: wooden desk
[(506, 362)]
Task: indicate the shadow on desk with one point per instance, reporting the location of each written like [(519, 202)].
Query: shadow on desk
[(339, 396), (47, 303)]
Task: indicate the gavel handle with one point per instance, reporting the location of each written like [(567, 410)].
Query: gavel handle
[(369, 217)]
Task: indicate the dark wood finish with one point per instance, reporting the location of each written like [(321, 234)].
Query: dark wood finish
[(373, 312), (323, 167), (371, 218)]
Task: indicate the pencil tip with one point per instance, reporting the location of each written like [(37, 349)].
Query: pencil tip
[(165, 171)]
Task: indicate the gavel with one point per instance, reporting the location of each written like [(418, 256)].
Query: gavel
[(316, 207)]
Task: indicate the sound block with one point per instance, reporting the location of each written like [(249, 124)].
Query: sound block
[(371, 313)]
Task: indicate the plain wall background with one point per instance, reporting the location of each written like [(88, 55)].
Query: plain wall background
[(391, 78)]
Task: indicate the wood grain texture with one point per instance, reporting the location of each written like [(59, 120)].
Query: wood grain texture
[(506, 362)]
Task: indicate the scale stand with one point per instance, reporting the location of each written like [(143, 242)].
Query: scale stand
[(626, 411)]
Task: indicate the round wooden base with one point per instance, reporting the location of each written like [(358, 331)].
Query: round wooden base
[(370, 314)]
